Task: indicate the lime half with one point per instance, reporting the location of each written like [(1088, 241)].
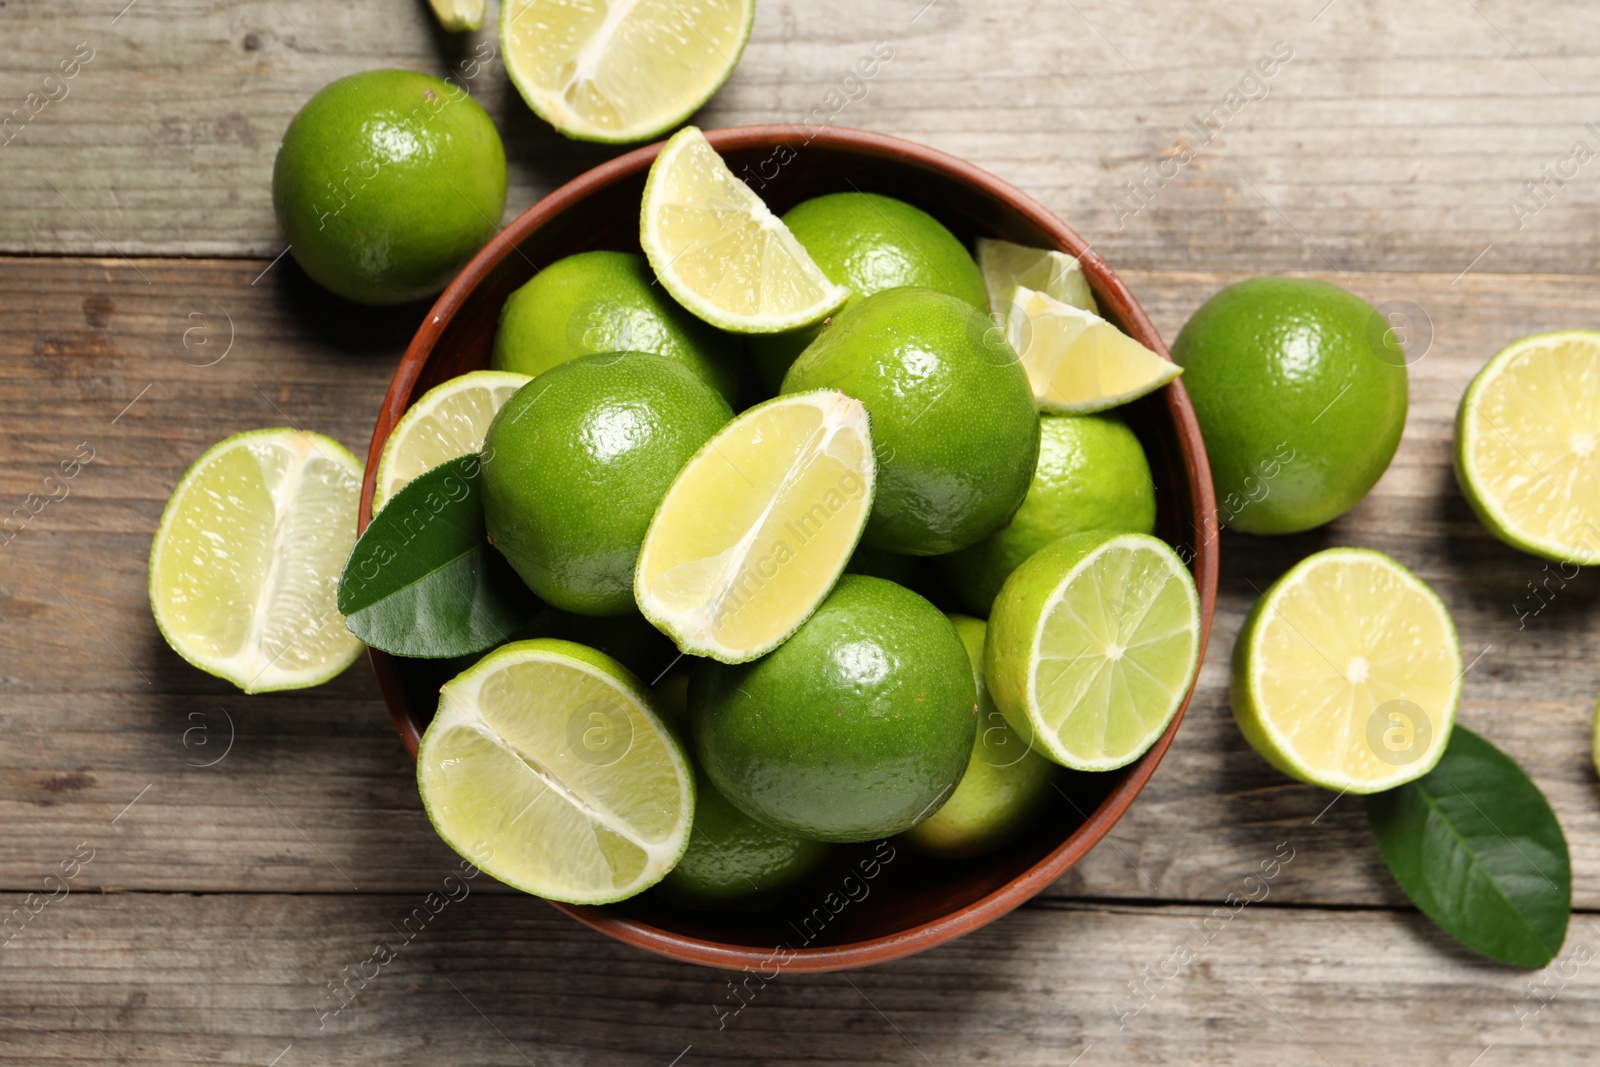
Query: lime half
[(547, 767), (1347, 673), (1092, 646), (623, 71), (449, 420), (1005, 266), (758, 526), (244, 571), (1526, 437), (721, 252), (1078, 362)]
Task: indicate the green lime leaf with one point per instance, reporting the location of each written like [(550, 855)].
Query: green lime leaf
[(1476, 847), (423, 580)]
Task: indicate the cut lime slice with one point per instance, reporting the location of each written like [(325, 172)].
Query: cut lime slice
[(721, 252), (1078, 362), (458, 15), (244, 571), (1092, 646), (627, 70), (758, 526), (547, 767), (1005, 266), (449, 420), (1347, 673), (1526, 437)]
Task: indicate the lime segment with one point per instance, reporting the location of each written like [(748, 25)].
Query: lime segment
[(546, 766), (758, 526), (458, 15), (623, 71), (1347, 673), (450, 420), (721, 252), (1056, 274), (1078, 362), (1526, 438), (1092, 647), (244, 570)]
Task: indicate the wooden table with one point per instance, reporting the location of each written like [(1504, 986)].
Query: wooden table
[(247, 851)]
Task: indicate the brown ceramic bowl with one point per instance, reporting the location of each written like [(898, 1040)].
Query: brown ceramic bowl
[(874, 903)]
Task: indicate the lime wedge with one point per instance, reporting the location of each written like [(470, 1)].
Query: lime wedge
[(458, 15), (1347, 673), (623, 71), (1526, 437), (546, 766), (721, 252), (1078, 362), (1005, 266), (1092, 646), (758, 526), (449, 420), (244, 570)]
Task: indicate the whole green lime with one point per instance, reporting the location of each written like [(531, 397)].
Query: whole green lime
[(608, 302), (1300, 388), (1007, 783), (386, 183), (575, 464), (855, 728), (869, 243), (954, 428), (733, 860), (1092, 475)]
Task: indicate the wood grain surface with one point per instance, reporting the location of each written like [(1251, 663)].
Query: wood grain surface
[(1393, 138), (246, 851), (503, 980)]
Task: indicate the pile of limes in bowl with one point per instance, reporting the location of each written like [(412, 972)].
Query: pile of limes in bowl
[(928, 405), (678, 543)]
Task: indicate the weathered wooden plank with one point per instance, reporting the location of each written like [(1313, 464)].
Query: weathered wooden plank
[(95, 708), (1384, 138), (141, 978)]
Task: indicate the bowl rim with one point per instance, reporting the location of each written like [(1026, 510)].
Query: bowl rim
[(1105, 282)]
